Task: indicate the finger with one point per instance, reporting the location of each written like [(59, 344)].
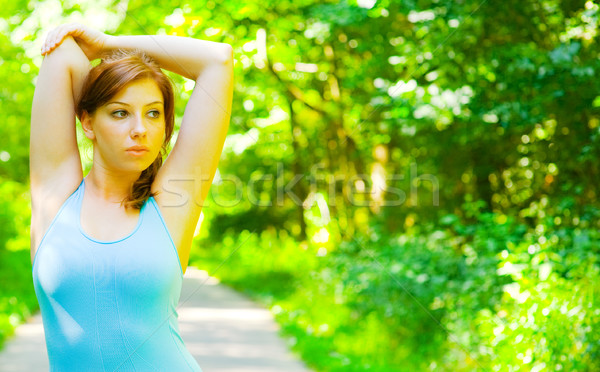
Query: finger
[(50, 38), (50, 43), (57, 37), (60, 31), (49, 35), (46, 45)]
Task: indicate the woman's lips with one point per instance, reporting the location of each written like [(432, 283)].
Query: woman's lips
[(137, 150)]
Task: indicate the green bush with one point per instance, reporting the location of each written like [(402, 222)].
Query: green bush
[(490, 295), (17, 296)]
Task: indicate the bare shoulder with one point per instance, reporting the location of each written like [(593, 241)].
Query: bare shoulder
[(180, 209)]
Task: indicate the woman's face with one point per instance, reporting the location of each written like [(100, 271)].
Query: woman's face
[(133, 117)]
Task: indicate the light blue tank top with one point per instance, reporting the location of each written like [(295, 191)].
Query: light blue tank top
[(110, 305)]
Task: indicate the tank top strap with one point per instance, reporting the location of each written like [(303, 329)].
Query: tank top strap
[(78, 196), (71, 204)]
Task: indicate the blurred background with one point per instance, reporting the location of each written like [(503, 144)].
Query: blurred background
[(406, 185)]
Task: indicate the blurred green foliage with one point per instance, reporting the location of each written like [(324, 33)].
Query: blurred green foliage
[(445, 152)]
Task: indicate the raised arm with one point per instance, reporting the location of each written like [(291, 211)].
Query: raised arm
[(185, 56), (53, 144), (54, 161)]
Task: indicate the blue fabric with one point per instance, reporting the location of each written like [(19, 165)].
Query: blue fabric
[(110, 305)]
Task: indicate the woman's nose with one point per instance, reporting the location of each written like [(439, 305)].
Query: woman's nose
[(138, 128)]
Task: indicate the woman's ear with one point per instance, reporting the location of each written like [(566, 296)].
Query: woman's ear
[(86, 125)]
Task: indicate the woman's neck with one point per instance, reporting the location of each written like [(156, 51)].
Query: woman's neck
[(109, 186)]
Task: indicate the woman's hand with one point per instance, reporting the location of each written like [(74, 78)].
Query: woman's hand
[(92, 42)]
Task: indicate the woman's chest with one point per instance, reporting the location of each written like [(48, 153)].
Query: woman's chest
[(107, 223)]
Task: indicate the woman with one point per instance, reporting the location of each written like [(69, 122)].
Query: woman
[(109, 251)]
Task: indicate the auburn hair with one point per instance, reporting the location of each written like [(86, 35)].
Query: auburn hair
[(105, 80)]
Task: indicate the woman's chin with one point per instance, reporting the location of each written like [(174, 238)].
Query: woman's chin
[(134, 168)]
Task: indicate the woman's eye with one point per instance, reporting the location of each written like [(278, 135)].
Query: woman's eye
[(154, 113)]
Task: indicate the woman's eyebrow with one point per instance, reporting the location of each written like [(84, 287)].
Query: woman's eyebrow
[(127, 104)]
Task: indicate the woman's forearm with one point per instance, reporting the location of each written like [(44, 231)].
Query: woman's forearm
[(185, 56)]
